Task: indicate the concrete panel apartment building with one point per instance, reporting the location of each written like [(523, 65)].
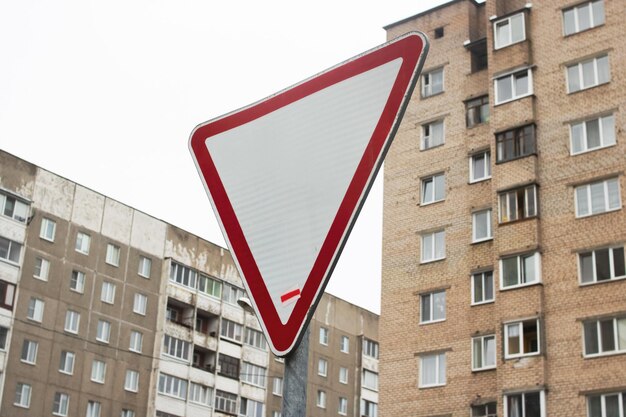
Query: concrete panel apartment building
[(107, 311), (503, 289)]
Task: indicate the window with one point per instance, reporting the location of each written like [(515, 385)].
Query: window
[(98, 371), (482, 287), (228, 366), (342, 407), (22, 395), (588, 73), (175, 387), (225, 402), (253, 374), (597, 197), (209, 286), (67, 362), (48, 229), (182, 275), (145, 266), (140, 304), (514, 86), (477, 111), (321, 399), (231, 294), (277, 414), (439, 32), (368, 408), (323, 336), (478, 54), (77, 282), (480, 166), (601, 265), (432, 370), (520, 270), (370, 348), (432, 135), (136, 341), (4, 334), (255, 338), (177, 348), (13, 208), (509, 31), (582, 17), (250, 408), (61, 404), (93, 408), (526, 404), (481, 226), (485, 410), (607, 405), (29, 352), (515, 143), (231, 330), (433, 246), (131, 382), (345, 344), (277, 386), (7, 295), (518, 204), (483, 352), (605, 336), (127, 413), (10, 250), (370, 380), (433, 307), (522, 338), (108, 292), (35, 309), (433, 189), (113, 255), (592, 134), (432, 82), (103, 332), (72, 321), (343, 375), (200, 394), (42, 269), (83, 241), (322, 367)]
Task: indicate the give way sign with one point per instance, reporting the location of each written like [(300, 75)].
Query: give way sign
[(288, 175)]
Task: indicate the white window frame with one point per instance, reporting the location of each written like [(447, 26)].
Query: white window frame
[(11, 251), (42, 269), (342, 406), (253, 374), (176, 348), (482, 341), (430, 254), (20, 210), (131, 381), (94, 408), (343, 375), (322, 367), (98, 371), (427, 85), (103, 331), (432, 197), (48, 229), (514, 94), (66, 361), (79, 278), (173, 386), (35, 310), (370, 348), (127, 413), (612, 272), (321, 399), (107, 294), (72, 321), (23, 393), (618, 323), (200, 394), (520, 325), (344, 345), (145, 266), (621, 403), (576, 10), (607, 139), (429, 138), (277, 386), (324, 336), (140, 304), (135, 343), (489, 236), (542, 402), (486, 154), (521, 272), (607, 199), (231, 330), (431, 307), (366, 383), (29, 352), (483, 277), (61, 403), (503, 43), (579, 66), (113, 254), (440, 379), (83, 242)]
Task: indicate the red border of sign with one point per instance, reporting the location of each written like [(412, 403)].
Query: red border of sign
[(412, 49)]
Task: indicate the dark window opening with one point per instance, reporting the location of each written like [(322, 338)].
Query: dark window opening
[(515, 143), (478, 50), (439, 33)]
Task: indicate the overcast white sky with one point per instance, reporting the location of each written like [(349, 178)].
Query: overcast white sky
[(106, 93)]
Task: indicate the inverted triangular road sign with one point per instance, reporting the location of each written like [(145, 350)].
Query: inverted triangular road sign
[(288, 175)]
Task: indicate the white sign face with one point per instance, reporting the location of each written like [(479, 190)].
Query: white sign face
[(288, 175)]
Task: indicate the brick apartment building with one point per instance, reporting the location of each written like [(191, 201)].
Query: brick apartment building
[(503, 287), (107, 311)]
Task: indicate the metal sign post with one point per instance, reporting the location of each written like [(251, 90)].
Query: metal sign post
[(296, 374)]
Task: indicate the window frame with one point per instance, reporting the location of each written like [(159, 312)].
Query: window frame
[(77, 281), (514, 95), (14, 212), (21, 387), (621, 402), (200, 394), (98, 371), (370, 348), (277, 386), (581, 75), (107, 292), (615, 324), (520, 324), (227, 327), (542, 402), (322, 367), (606, 196), (103, 331), (486, 165), (374, 377), (433, 251), (497, 45), (431, 199), (131, 380), (427, 87), (606, 141), (527, 212), (324, 336), (474, 106), (321, 399), (612, 267), (431, 307), (81, 238), (48, 229), (135, 338), (140, 304), (145, 263), (344, 344), (42, 269), (28, 355), (484, 352), (74, 321), (173, 386), (67, 357), (438, 377), (576, 10), (60, 404), (521, 272), (176, 348), (113, 255), (35, 310), (94, 408), (344, 370), (342, 406), (489, 236), (485, 300), (7, 294), (518, 143), (429, 126), (13, 251), (253, 374)]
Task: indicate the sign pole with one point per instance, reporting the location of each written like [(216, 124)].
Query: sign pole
[(296, 374)]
